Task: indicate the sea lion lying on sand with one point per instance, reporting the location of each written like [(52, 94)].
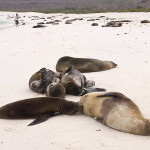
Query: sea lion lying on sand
[(56, 90), (76, 84), (83, 64), (41, 79), (116, 111), (40, 108)]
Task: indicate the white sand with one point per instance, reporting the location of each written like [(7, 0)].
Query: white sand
[(25, 50)]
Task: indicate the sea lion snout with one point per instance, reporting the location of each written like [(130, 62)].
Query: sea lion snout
[(114, 65)]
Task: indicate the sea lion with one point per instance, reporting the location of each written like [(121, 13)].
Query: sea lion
[(56, 90), (41, 79), (116, 111), (40, 108), (83, 64), (76, 83)]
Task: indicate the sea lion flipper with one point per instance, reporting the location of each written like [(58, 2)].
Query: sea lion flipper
[(89, 83), (41, 119), (100, 120), (42, 70), (68, 70), (112, 94), (90, 90)]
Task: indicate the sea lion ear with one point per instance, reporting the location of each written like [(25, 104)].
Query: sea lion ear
[(68, 70), (42, 70)]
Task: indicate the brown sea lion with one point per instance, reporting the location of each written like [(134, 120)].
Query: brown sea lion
[(40, 108), (56, 90), (116, 111), (76, 83), (83, 64), (41, 79)]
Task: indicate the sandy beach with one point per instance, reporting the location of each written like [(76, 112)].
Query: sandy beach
[(24, 50)]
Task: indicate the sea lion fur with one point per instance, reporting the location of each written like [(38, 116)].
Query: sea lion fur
[(56, 90), (40, 108), (41, 79), (76, 83), (116, 111), (83, 64)]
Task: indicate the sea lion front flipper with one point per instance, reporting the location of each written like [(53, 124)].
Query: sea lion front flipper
[(42, 70), (85, 91), (68, 70), (56, 80), (42, 118), (112, 94), (100, 120), (89, 83)]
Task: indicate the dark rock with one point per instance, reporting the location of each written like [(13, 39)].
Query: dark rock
[(55, 23), (101, 16), (42, 18), (145, 21), (113, 24), (68, 22), (40, 23), (124, 21), (39, 26), (94, 24), (65, 17), (50, 22), (91, 20)]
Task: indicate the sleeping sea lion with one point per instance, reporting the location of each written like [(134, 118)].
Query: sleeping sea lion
[(83, 64), (40, 108), (76, 84), (56, 90), (116, 111), (41, 79)]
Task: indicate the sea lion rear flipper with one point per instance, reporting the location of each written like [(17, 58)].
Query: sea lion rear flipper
[(42, 118)]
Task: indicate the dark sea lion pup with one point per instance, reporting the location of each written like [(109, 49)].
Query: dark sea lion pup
[(76, 83), (41, 79), (83, 64), (40, 108), (116, 111), (56, 90)]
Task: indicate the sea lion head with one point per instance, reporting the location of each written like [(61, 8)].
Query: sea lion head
[(56, 90), (73, 81), (71, 108), (37, 87)]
